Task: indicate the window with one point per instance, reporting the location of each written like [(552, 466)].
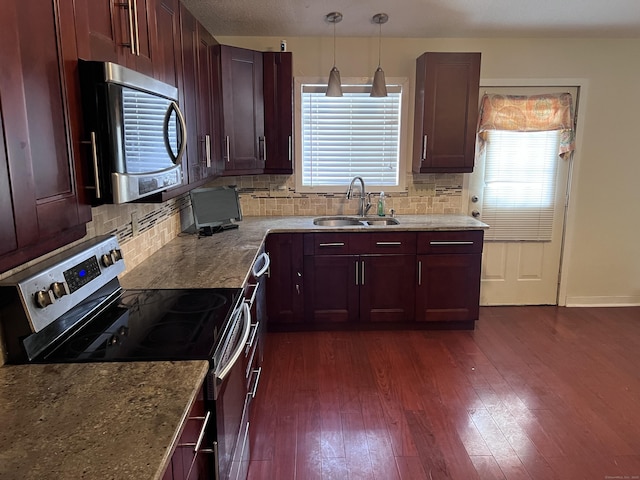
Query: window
[(520, 181), (348, 136)]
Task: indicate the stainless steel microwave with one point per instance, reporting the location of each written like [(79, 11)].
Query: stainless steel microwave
[(136, 129)]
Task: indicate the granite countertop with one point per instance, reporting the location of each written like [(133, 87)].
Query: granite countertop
[(93, 420), (224, 260)]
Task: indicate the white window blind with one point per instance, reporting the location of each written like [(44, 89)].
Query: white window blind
[(352, 135), (520, 185)]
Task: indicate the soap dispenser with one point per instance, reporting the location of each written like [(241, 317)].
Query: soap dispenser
[(381, 205)]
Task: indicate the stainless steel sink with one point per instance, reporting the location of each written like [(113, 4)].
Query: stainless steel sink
[(351, 221), (381, 221), (336, 221)]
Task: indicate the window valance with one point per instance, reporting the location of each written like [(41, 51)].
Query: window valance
[(528, 113)]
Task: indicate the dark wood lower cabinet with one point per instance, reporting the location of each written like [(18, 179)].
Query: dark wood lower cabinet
[(449, 288), (374, 280), (285, 282), (331, 289), (387, 288)]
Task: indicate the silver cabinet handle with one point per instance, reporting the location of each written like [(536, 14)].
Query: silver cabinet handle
[(200, 435), (94, 160), (129, 7), (207, 149), (290, 149), (424, 148), (263, 140), (227, 148), (253, 295), (252, 338), (333, 244), (362, 274), (135, 28), (419, 272), (297, 289), (356, 273), (254, 390), (436, 244), (388, 244)]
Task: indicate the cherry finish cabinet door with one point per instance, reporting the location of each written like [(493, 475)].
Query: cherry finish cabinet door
[(449, 265), (166, 43), (42, 208), (446, 112), (387, 288), (285, 282), (116, 31), (332, 293), (241, 100), (278, 112)]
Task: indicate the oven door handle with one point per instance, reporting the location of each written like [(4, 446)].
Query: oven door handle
[(224, 371)]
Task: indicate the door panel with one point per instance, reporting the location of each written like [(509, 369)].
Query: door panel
[(518, 272)]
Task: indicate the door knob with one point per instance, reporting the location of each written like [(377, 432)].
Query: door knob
[(475, 214), (474, 199)]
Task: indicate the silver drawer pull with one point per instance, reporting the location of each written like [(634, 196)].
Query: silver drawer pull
[(334, 244), (196, 446), (388, 244), (450, 243)]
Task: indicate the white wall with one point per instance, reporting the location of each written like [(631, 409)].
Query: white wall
[(601, 264)]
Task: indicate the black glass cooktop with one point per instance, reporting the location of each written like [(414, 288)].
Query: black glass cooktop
[(151, 325)]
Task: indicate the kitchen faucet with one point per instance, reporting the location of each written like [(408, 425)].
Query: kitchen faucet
[(363, 209)]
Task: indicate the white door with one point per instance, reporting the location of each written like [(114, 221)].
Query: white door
[(522, 272)]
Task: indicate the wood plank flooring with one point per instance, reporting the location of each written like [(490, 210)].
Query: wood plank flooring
[(533, 393)]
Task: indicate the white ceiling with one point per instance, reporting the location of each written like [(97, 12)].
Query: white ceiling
[(422, 18)]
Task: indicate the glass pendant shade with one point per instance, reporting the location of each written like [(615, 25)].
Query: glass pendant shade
[(334, 88), (379, 87)]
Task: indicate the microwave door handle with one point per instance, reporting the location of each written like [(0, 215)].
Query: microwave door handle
[(173, 107), (224, 371)]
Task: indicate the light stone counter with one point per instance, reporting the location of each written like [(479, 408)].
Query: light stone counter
[(224, 259), (94, 421)]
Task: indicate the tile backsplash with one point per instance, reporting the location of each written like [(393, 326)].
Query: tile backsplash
[(275, 195)]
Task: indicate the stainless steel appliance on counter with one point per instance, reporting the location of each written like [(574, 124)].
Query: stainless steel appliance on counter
[(71, 308), (137, 132)]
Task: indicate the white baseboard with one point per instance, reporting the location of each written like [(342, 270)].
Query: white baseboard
[(633, 301)]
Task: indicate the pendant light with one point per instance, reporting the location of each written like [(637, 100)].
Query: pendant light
[(379, 87), (334, 87)]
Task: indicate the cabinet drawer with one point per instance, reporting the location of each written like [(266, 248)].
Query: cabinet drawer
[(330, 243), (466, 241), (390, 243)]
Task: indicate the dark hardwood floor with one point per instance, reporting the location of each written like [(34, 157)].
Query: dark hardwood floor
[(532, 393)]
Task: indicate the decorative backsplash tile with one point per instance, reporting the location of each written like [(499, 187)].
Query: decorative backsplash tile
[(275, 195)]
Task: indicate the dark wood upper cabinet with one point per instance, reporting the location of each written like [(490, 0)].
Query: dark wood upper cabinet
[(197, 100), (42, 208), (166, 42), (240, 100), (446, 112), (117, 31), (278, 111)]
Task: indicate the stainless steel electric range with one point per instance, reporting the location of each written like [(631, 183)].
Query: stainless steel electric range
[(71, 308)]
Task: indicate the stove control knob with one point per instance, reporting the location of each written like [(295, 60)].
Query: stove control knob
[(60, 289), (116, 255), (44, 298), (106, 259)]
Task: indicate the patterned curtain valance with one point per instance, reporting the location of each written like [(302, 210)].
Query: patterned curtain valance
[(528, 113)]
